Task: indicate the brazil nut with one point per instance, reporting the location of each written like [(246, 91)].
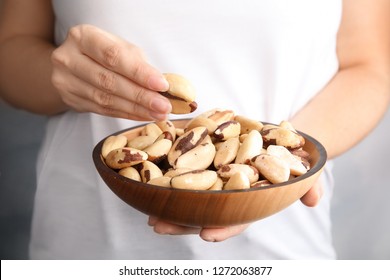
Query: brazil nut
[(162, 181), (195, 180), (228, 170), (282, 137), (248, 124), (186, 142), (296, 166), (141, 142), (112, 143), (125, 157), (131, 173), (181, 94), (238, 181), (226, 130), (272, 168), (200, 157), (202, 121), (167, 126), (226, 152), (250, 147), (148, 171), (151, 129), (158, 150)]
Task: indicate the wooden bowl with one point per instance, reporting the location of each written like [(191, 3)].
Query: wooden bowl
[(210, 208)]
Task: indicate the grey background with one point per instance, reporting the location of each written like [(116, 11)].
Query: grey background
[(360, 209)]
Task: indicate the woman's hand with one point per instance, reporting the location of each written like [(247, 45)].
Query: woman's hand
[(207, 234), (313, 196), (95, 71), (310, 199)]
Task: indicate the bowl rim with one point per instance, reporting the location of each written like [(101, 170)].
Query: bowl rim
[(99, 163)]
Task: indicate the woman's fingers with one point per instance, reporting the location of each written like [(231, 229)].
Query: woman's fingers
[(207, 234), (109, 85), (83, 97), (118, 55), (221, 234), (120, 84), (313, 196), (162, 227)]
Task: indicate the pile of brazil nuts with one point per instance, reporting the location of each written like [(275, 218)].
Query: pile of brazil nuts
[(216, 150)]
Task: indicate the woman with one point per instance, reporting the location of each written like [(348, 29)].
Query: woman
[(95, 67)]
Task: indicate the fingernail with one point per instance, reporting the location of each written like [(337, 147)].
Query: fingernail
[(158, 83), (160, 105)]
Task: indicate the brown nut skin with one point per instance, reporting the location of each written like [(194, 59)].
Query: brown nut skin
[(158, 150), (180, 93), (148, 171), (181, 107), (282, 137), (200, 157), (167, 126), (165, 135), (303, 156), (226, 130), (220, 116), (186, 142), (228, 170), (125, 157)]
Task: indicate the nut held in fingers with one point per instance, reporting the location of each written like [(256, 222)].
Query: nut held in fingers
[(181, 94)]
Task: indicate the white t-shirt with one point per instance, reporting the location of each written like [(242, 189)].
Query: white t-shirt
[(263, 59)]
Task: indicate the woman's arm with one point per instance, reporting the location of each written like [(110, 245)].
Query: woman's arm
[(26, 44), (353, 103), (92, 71)]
